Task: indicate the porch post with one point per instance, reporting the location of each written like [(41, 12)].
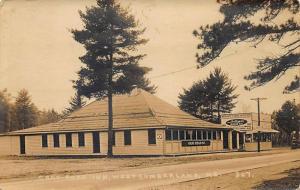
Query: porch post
[(230, 139)]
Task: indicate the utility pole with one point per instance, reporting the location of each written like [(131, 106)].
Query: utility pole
[(258, 120)]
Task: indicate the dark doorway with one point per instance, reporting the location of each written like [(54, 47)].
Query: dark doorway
[(234, 140), (96, 142), (225, 139), (22, 144), (241, 140)]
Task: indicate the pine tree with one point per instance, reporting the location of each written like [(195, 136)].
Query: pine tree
[(48, 116), (241, 24), (110, 36), (76, 102), (288, 117), (208, 98), (26, 112), (5, 111)]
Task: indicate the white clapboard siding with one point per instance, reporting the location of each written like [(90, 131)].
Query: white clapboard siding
[(9, 145)]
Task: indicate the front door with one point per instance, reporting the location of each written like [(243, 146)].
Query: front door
[(22, 144), (225, 139), (96, 142), (234, 140), (241, 140)]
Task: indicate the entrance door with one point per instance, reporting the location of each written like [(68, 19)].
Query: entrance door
[(234, 140), (225, 139), (96, 142), (22, 144), (241, 140)]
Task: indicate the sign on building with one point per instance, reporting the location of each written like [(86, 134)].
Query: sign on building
[(241, 122), (195, 143)]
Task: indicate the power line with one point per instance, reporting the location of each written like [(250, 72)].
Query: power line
[(189, 68), (170, 73)]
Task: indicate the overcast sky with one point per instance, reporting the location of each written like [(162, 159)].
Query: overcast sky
[(37, 51)]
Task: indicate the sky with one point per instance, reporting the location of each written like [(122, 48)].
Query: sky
[(38, 53)]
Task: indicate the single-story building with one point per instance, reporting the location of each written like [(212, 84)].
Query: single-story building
[(246, 130), (143, 125)]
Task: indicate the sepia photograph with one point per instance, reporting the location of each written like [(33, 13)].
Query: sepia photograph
[(149, 94)]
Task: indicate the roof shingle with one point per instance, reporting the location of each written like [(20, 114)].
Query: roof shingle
[(139, 109)]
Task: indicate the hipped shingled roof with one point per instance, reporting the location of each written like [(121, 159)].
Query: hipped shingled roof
[(139, 109)]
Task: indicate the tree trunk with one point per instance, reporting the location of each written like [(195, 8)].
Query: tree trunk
[(110, 118), (110, 110), (110, 101)]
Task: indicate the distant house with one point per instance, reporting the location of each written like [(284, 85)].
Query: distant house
[(143, 125)]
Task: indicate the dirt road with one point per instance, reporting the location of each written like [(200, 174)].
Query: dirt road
[(141, 178)]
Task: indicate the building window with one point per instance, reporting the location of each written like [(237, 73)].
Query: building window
[(175, 134), (44, 140), (81, 139), (114, 138), (127, 137), (269, 137), (151, 136), (219, 135), (214, 135), (204, 135), (209, 135), (199, 134), (194, 135), (68, 139), (187, 135), (182, 134), (168, 134), (56, 140)]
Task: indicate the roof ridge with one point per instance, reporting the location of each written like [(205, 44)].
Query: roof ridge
[(142, 92), (183, 113)]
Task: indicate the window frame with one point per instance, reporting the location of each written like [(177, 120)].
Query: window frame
[(127, 138), (81, 139), (175, 134), (44, 140), (182, 134), (168, 134), (56, 141), (152, 136), (199, 134), (69, 140), (209, 135), (204, 135), (214, 135)]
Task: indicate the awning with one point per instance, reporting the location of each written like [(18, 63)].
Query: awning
[(263, 131)]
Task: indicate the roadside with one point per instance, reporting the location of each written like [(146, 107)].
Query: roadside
[(137, 178), (20, 168), (282, 176)]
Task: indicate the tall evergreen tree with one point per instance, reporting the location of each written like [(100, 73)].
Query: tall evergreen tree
[(5, 111), (48, 116), (256, 21), (110, 36), (76, 102), (288, 118), (208, 98), (26, 112)]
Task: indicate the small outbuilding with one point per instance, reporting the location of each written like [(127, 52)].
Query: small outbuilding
[(143, 125)]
